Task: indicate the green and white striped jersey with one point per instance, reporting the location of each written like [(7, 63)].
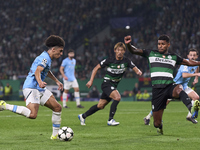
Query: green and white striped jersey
[(161, 67), (116, 68)]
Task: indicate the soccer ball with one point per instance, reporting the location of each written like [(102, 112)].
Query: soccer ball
[(65, 134)]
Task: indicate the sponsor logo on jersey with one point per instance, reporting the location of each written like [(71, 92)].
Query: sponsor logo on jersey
[(115, 71), (162, 60), (122, 65)]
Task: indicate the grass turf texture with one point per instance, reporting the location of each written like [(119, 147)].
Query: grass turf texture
[(20, 133)]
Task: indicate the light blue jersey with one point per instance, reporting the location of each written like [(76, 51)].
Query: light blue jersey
[(69, 68), (184, 69), (43, 60)]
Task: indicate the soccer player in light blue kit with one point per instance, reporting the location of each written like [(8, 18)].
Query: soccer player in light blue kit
[(67, 70), (34, 88), (183, 77)]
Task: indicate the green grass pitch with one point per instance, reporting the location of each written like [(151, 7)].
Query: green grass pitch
[(20, 133)]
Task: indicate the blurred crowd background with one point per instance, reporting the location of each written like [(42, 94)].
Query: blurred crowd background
[(25, 24)]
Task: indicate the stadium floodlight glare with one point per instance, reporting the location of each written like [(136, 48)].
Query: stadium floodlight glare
[(127, 27)]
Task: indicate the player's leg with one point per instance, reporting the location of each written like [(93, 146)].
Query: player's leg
[(101, 104), (32, 103), (157, 116), (77, 94), (65, 98), (147, 118), (194, 96), (113, 108), (179, 93), (49, 101), (67, 86)]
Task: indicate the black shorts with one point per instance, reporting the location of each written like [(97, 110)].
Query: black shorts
[(160, 96), (107, 89)]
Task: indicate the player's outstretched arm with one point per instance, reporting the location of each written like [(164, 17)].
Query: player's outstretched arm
[(94, 72), (190, 62), (131, 48), (60, 85), (137, 71), (62, 72)]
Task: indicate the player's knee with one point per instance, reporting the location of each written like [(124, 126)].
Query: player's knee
[(100, 106), (117, 98), (196, 97), (58, 108), (33, 116), (157, 124)]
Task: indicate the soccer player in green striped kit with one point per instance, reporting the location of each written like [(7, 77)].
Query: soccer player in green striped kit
[(162, 64)]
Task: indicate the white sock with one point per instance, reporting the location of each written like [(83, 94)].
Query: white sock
[(56, 120), (189, 113), (64, 99), (19, 110), (149, 115), (77, 98)]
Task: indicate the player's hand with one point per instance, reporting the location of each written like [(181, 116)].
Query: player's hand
[(66, 78), (89, 84), (195, 81), (60, 85), (127, 39), (42, 84), (139, 72)]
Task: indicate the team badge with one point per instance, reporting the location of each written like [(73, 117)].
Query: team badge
[(163, 56), (169, 57)]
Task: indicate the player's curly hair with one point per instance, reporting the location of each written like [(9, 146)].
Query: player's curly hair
[(54, 40)]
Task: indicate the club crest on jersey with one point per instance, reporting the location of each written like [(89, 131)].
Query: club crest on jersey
[(118, 66), (163, 56), (169, 57)]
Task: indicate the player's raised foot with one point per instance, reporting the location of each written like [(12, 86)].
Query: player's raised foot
[(54, 137), (160, 131), (112, 122), (82, 120), (66, 107), (192, 120), (80, 106), (2, 105), (146, 121), (195, 109)]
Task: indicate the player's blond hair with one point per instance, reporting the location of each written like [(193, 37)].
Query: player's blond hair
[(120, 44)]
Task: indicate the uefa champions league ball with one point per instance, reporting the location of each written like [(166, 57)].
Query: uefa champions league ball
[(65, 134)]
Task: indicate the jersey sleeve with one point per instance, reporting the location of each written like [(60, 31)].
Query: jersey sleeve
[(146, 53), (43, 61), (179, 59), (63, 63), (130, 64), (104, 63)]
